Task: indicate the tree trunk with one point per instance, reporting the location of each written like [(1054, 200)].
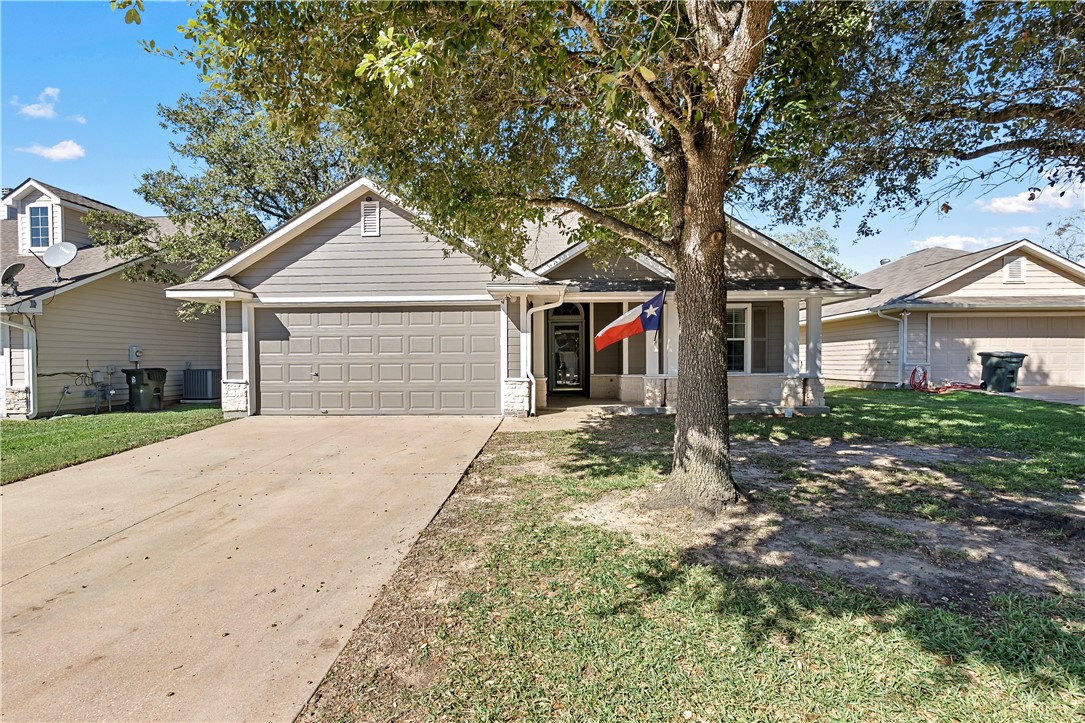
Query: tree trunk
[(701, 476)]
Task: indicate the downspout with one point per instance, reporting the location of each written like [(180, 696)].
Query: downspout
[(30, 342), (531, 346), (901, 341)]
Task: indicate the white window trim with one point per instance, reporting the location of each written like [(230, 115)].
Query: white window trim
[(747, 361), (53, 235), (1008, 263), (375, 205)]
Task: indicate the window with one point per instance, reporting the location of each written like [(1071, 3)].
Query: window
[(39, 227), (371, 218), (1013, 269), (738, 338)]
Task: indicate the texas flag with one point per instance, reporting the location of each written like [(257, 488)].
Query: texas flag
[(635, 321)]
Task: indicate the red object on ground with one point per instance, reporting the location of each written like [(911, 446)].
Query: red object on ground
[(920, 382)]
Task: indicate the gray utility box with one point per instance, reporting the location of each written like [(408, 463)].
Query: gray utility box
[(145, 388), (1000, 369), (202, 384)]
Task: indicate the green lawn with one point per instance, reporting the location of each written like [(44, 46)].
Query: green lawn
[(32, 447), (508, 609)]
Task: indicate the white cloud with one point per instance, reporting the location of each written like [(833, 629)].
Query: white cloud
[(961, 243), (44, 108), (81, 120), (1032, 202), (63, 151), (1024, 230)]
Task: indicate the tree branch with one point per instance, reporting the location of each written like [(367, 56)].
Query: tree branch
[(653, 243), (1020, 144), (635, 204), (1070, 117), (583, 20)]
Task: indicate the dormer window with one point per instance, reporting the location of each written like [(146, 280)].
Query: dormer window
[(40, 236), (1013, 270)]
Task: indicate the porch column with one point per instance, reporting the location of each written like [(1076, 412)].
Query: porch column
[(538, 358), (813, 337), (651, 353), (670, 340), (625, 345), (525, 338), (791, 386), (815, 387)]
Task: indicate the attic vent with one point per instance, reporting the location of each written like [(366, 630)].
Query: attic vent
[(1013, 270), (371, 218)]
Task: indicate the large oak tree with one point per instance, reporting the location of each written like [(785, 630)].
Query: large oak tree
[(644, 117)]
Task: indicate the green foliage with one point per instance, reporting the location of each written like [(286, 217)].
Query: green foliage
[(817, 245), (982, 93), (237, 175)]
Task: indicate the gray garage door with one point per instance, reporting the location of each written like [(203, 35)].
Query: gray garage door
[(1055, 346), (378, 361)]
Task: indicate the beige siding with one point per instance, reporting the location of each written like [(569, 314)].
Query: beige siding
[(860, 350), (586, 267), (334, 259), (513, 331), (75, 231), (917, 339), (744, 261), (235, 351), (93, 325), (18, 354), (1041, 278)]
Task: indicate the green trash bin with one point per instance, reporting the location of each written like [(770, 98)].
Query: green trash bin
[(1000, 369), (145, 388)]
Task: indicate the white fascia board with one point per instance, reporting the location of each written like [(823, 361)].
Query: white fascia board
[(283, 234), (207, 295), (286, 300), (291, 228), (1023, 244), (775, 248), (654, 266), (567, 255), (19, 192)]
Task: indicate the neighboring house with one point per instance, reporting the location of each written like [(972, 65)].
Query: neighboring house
[(350, 308), (55, 335), (940, 307)]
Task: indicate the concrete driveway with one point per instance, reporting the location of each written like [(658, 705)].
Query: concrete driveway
[(213, 577)]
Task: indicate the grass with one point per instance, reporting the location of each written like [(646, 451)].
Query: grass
[(550, 620), (33, 447)]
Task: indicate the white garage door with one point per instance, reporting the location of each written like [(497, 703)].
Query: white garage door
[(1055, 346), (378, 361)]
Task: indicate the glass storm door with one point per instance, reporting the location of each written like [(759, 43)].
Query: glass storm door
[(567, 360)]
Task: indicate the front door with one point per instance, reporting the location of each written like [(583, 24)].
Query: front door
[(567, 358)]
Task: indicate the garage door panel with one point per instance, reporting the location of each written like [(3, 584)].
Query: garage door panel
[(420, 345), (403, 361), (1055, 346)]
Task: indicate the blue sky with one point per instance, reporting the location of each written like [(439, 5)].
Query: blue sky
[(79, 101)]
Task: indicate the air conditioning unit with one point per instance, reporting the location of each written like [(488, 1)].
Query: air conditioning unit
[(202, 384)]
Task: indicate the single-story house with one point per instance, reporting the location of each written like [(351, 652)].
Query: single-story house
[(939, 308), (54, 335), (351, 308)]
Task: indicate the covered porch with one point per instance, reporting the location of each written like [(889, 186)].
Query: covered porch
[(553, 362)]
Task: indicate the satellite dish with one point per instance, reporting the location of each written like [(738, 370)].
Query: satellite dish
[(59, 255), (10, 273)]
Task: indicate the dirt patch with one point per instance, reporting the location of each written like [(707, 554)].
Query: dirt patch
[(878, 516)]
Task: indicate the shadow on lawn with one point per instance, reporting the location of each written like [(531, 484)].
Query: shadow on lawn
[(871, 530)]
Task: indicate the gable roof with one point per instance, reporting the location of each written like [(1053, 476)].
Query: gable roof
[(60, 195), (313, 215), (904, 281)]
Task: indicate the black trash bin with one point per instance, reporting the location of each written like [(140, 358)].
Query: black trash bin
[(1000, 369), (145, 388)]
